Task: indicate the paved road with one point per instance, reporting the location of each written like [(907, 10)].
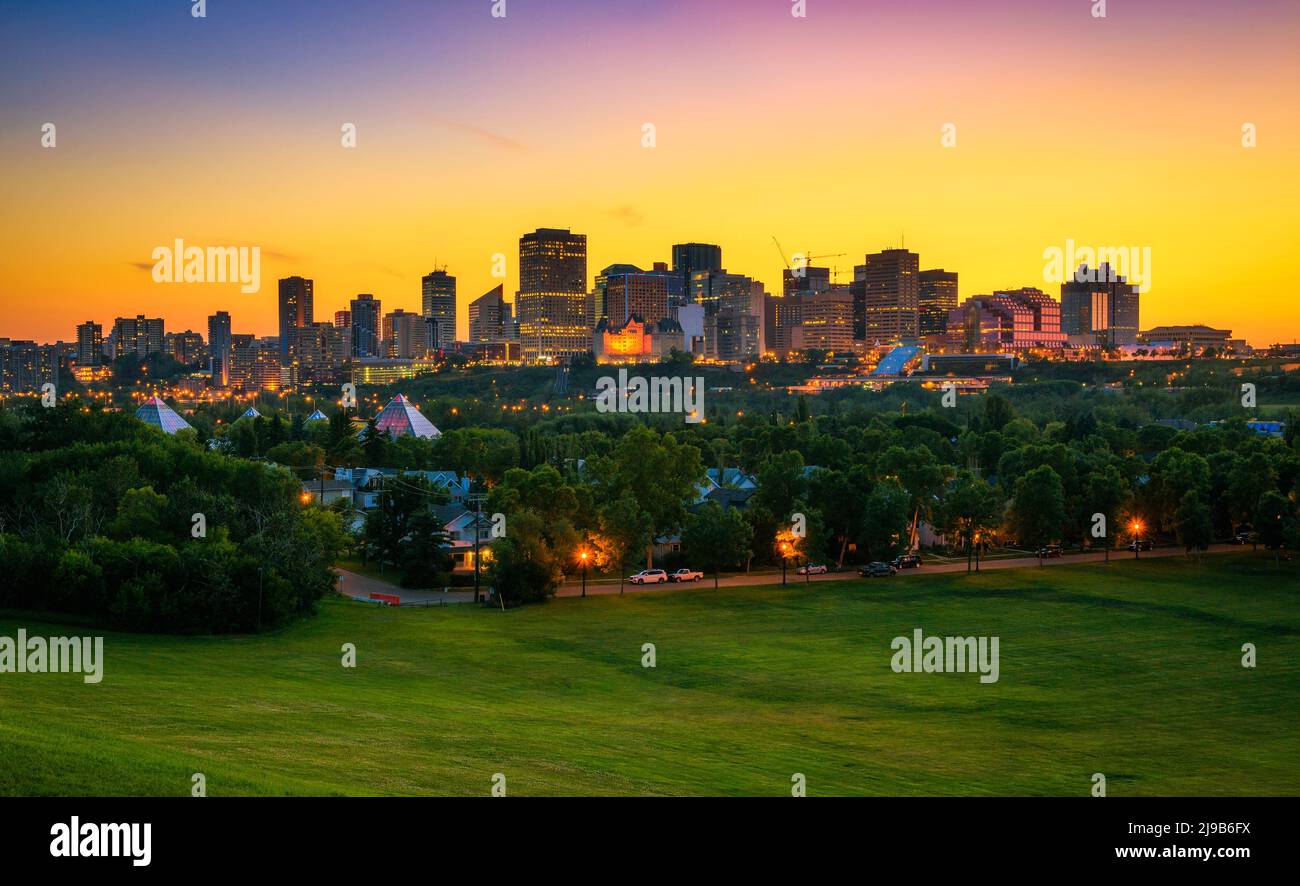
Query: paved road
[(361, 586), (931, 566)]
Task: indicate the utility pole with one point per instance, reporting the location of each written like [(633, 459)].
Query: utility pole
[(477, 499)]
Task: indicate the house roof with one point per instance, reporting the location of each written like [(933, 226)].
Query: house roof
[(157, 413)]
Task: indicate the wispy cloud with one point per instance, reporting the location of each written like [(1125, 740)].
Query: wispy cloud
[(628, 215), (496, 138)]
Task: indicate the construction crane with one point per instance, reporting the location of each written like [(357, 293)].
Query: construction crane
[(808, 257)]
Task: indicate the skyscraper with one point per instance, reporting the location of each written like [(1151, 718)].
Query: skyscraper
[(825, 321), (692, 258), (804, 280), (489, 317), (600, 308), (366, 327), (887, 304), (137, 336), (404, 335), (1099, 306), (937, 299), (552, 298), (90, 344), (637, 293), (438, 306), (295, 311), (219, 349)]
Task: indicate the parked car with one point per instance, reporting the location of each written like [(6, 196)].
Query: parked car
[(1246, 538), (1050, 551), (1140, 545), (649, 577), (907, 561), (686, 575), (877, 570), (814, 569)]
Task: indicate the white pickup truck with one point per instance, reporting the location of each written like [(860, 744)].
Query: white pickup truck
[(686, 575), (649, 577)]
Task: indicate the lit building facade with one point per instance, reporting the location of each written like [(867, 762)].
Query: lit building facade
[(438, 306), (366, 325), (552, 299), (637, 340), (937, 298), (887, 299), (295, 303), (1098, 305)]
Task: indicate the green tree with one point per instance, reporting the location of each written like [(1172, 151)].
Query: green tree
[(1274, 519), (718, 536), (426, 561), (624, 529), (1194, 523), (1037, 512), (1107, 493), (374, 444), (525, 567), (887, 513), (658, 471), (969, 506)]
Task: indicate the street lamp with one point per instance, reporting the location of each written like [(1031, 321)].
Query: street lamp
[(1136, 527), (583, 557)]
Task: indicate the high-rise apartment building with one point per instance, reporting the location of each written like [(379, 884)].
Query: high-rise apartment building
[(438, 307), (937, 299), (798, 281), (220, 345), (490, 317), (887, 300), (1099, 306), (637, 293), (137, 336), (825, 321), (405, 335), (366, 326), (320, 354), (552, 300), (184, 347), (90, 344), (295, 302), (692, 258)]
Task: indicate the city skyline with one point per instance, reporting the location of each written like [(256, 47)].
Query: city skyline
[(445, 172)]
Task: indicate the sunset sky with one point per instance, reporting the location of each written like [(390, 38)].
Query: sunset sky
[(823, 132)]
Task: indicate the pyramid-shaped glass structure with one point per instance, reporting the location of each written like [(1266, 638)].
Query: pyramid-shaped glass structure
[(250, 412), (318, 416), (399, 418), (157, 413)]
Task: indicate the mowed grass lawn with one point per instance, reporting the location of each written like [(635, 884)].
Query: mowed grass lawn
[(1132, 670)]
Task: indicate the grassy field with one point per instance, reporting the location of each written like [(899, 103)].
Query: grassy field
[(1132, 670)]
